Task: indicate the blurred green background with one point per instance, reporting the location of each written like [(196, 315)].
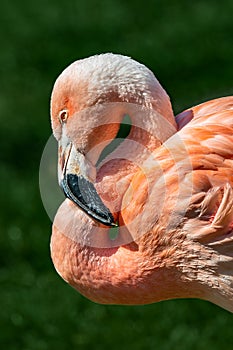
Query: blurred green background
[(189, 46)]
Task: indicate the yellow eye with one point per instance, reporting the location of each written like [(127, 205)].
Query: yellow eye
[(63, 115)]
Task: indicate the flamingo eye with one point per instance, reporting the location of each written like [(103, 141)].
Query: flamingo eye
[(63, 115)]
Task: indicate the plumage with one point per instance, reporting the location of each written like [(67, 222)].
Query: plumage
[(169, 185)]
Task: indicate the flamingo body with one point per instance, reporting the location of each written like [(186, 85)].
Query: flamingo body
[(169, 185)]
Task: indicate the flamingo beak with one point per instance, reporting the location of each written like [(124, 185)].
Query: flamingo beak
[(76, 176)]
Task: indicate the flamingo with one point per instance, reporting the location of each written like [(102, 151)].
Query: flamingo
[(167, 188)]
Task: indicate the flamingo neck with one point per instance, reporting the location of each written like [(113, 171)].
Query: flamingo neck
[(148, 131), (117, 275), (132, 273)]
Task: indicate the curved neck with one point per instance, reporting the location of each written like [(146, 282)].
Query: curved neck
[(148, 131), (135, 274), (121, 275)]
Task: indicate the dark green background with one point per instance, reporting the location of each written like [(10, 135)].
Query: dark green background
[(189, 46)]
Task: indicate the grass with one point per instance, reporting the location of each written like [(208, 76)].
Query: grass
[(189, 47)]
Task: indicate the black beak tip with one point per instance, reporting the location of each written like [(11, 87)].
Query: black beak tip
[(83, 193)]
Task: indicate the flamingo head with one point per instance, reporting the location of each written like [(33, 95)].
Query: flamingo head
[(88, 103)]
